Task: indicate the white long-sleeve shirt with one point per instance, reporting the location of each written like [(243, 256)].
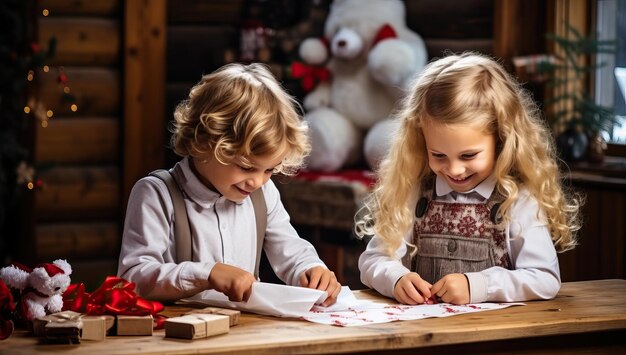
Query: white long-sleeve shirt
[(222, 232), (535, 273)]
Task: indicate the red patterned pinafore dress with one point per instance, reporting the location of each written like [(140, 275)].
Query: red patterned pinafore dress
[(457, 237)]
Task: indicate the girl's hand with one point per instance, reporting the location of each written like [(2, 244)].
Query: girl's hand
[(412, 289), (320, 278), (452, 288), (232, 281)]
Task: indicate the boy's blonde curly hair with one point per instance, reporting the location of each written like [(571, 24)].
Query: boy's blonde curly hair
[(240, 111), (470, 89)]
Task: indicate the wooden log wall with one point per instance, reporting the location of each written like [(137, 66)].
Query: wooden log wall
[(77, 210), (503, 29), (201, 37), (454, 26)]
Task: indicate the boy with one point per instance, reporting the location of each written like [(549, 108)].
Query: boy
[(237, 128)]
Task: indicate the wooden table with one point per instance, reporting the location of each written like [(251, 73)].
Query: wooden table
[(585, 316)]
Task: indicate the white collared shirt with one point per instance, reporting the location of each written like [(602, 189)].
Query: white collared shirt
[(222, 232), (535, 273)]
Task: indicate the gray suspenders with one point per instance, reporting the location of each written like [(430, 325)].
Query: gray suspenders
[(260, 216), (182, 231)]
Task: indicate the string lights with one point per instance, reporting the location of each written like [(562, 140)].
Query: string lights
[(36, 109)]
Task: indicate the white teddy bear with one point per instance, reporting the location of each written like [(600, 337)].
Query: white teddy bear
[(373, 56), (41, 288)]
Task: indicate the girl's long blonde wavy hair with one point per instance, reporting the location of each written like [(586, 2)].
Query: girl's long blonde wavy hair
[(240, 111), (470, 89)]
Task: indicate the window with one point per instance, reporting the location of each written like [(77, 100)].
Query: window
[(610, 83)]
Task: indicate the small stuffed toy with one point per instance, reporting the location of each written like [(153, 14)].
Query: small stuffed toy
[(372, 56), (40, 288)]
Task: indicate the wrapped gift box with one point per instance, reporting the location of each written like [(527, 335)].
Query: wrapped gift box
[(196, 326), (65, 330), (95, 327), (39, 324), (134, 325), (232, 314), (88, 327)]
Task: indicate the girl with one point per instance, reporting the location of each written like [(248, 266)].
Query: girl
[(471, 185), (237, 128)]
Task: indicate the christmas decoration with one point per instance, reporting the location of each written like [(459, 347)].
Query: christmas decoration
[(40, 288), (20, 57), (22, 61), (310, 75), (372, 56), (116, 296)]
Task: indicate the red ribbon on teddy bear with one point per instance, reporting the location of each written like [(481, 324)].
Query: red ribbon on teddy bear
[(311, 75)]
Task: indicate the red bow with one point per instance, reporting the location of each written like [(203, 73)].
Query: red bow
[(384, 33), (115, 296), (310, 75)]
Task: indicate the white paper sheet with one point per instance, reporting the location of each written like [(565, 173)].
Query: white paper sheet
[(374, 312), (299, 302), (267, 299)]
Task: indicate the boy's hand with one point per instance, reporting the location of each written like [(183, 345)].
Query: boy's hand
[(452, 288), (412, 289), (320, 278), (232, 281)]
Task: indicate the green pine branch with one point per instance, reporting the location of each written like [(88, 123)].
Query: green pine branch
[(580, 109)]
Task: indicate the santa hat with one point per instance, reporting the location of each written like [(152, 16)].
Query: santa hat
[(52, 269), (55, 268)]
